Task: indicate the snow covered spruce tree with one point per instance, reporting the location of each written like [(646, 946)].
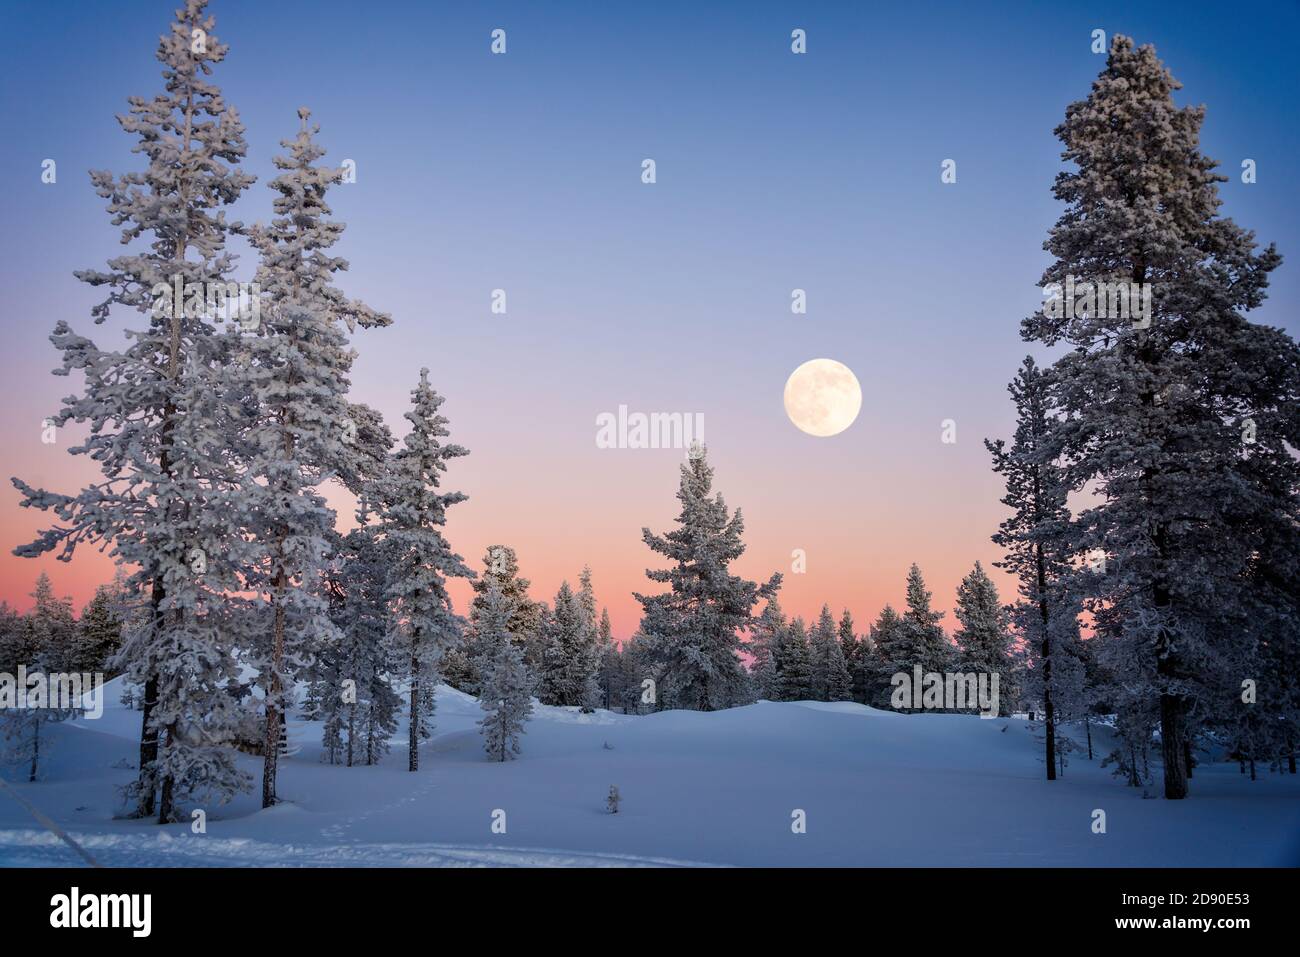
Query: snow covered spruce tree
[(46, 648), (609, 672), (625, 680), (99, 630), (13, 646), (919, 639), (370, 441), (819, 642), (983, 641), (461, 663), (292, 378), (599, 637), (839, 681), (1069, 689), (132, 399), (878, 667), (632, 677), (1037, 538), (692, 632), (852, 649), (409, 513), (41, 642), (501, 569), (1177, 413), (569, 661), (792, 664), (49, 629), (587, 599), (830, 674), (358, 704), (507, 686), (764, 638)]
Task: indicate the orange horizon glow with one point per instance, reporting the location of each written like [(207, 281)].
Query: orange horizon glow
[(858, 552)]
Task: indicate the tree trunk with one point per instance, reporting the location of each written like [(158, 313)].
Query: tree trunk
[(148, 734), (271, 746), (413, 742), (36, 746), (370, 734), (166, 803), (149, 737), (352, 724), (1173, 708), (1171, 746), (1049, 724), (166, 800), (1087, 726), (1044, 613), (148, 749), (1049, 713)]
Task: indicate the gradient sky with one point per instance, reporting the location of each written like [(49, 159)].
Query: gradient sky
[(522, 172)]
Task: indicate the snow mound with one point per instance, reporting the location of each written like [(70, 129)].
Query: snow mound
[(725, 787)]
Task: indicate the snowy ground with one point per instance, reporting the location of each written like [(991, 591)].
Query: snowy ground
[(877, 789)]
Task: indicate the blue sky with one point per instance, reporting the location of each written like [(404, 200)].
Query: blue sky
[(775, 171)]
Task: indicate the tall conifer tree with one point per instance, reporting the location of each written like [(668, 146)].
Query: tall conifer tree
[(291, 380), (1180, 418), (692, 632), (410, 513), (158, 476), (1037, 538)]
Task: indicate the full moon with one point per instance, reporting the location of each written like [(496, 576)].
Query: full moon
[(822, 397)]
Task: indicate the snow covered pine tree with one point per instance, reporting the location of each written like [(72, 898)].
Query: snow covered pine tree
[(765, 638), (692, 631), (410, 512), (920, 639), (46, 646), (501, 568), (1178, 414), (792, 664), (506, 691), (983, 641), (569, 661), (358, 703), (1036, 535), (290, 379), (157, 476)]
